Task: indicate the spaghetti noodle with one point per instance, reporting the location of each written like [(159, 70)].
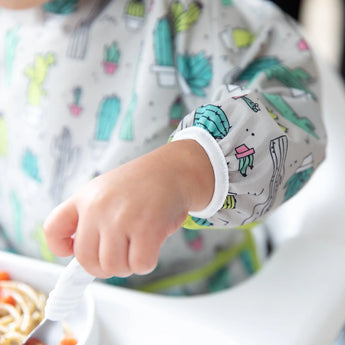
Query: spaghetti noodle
[(21, 310)]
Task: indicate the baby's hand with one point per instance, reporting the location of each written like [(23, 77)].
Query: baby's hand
[(115, 225)]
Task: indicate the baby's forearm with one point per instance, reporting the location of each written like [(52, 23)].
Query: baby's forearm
[(191, 166)]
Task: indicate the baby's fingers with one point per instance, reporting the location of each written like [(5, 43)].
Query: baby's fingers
[(144, 253), (113, 255), (59, 227)]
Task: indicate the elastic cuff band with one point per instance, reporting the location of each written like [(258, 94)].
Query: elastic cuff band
[(218, 162)]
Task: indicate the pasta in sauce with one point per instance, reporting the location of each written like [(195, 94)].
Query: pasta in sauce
[(21, 310)]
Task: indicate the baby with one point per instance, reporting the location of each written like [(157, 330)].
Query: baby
[(160, 132)]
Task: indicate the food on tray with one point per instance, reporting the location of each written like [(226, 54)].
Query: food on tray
[(67, 340), (21, 310)]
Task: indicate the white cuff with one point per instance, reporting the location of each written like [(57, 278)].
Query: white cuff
[(220, 168)]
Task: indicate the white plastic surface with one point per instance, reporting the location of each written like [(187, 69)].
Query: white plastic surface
[(43, 276), (68, 291)]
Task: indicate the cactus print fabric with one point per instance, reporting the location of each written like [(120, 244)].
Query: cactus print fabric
[(88, 85)]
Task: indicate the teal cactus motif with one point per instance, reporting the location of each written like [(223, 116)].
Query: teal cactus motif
[(107, 117), (257, 66), (75, 107), (196, 70), (11, 44), (116, 281), (176, 111), (182, 18), (301, 176), (163, 43), (201, 221), (219, 280), (61, 6), (213, 119), (296, 182), (296, 78), (252, 105), (246, 257), (66, 157), (245, 157), (286, 111), (193, 238), (111, 57), (29, 165), (227, 2), (77, 94), (112, 53)]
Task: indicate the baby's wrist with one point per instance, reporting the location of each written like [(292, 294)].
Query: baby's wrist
[(194, 172)]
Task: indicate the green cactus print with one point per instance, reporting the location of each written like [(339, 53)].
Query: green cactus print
[(182, 18), (77, 95), (75, 108), (220, 280), (11, 44), (245, 163), (30, 165), (296, 78), (112, 53), (107, 117), (37, 75), (252, 105), (230, 202), (299, 179), (163, 45), (213, 119), (245, 157), (275, 117), (195, 223), (285, 110), (111, 58), (227, 2), (193, 239), (196, 70), (243, 38), (256, 67), (135, 8), (117, 281), (249, 264), (61, 6)]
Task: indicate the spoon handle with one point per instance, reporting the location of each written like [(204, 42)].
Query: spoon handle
[(68, 291)]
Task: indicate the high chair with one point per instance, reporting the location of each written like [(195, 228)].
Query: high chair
[(298, 297)]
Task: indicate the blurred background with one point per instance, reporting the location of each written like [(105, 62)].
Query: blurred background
[(324, 22)]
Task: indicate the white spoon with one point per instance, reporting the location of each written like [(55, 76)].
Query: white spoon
[(66, 295)]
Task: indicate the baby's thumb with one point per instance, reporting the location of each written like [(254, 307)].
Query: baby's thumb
[(59, 228)]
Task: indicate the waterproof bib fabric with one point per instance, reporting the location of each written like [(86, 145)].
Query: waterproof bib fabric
[(86, 86)]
